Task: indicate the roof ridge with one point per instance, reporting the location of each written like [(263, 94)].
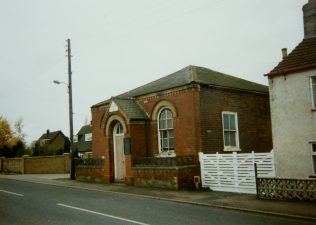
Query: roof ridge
[(188, 75)]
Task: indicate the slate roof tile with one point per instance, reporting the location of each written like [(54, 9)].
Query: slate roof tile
[(131, 108), (192, 74), (86, 129)]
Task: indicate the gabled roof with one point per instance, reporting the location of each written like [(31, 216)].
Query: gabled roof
[(51, 135), (303, 57), (131, 108), (86, 129), (192, 74)]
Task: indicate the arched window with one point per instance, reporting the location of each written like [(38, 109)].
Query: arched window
[(118, 128), (165, 131)]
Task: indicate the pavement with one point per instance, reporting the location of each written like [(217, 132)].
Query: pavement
[(208, 198)]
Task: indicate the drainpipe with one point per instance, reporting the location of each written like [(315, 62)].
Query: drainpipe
[(146, 137)]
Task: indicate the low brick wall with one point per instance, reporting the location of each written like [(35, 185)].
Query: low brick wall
[(36, 165), (286, 189), (47, 164), (12, 165), (175, 178), (91, 174)]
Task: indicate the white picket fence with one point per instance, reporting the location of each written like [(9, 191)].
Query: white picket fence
[(235, 172)]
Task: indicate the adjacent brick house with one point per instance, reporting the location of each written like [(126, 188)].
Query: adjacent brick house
[(52, 143), (192, 110)]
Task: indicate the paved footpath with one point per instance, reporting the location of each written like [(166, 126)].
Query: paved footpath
[(242, 202)]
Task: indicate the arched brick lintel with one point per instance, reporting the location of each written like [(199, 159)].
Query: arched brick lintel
[(161, 104)]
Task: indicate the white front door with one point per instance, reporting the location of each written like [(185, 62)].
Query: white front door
[(119, 159)]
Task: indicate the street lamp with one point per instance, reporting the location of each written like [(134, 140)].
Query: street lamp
[(69, 86), (59, 82)]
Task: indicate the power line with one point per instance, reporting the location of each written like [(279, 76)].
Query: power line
[(167, 20)]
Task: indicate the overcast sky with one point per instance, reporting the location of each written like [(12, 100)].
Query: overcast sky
[(122, 44)]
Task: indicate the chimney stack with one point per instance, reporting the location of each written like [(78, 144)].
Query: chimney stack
[(309, 11), (284, 53), (47, 132)]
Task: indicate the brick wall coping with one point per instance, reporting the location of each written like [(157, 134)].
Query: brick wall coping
[(164, 167)]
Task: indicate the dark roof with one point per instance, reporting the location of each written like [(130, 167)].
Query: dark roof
[(86, 129), (192, 74), (51, 135), (303, 57), (131, 108)]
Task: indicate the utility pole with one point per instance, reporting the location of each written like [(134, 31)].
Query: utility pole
[(72, 165)]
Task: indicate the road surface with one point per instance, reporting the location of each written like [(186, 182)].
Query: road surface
[(31, 203)]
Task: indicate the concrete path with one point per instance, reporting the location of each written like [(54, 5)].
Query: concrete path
[(242, 202)]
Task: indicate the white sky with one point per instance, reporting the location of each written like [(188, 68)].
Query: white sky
[(122, 44)]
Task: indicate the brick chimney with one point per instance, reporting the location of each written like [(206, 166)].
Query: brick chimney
[(309, 11), (284, 53)]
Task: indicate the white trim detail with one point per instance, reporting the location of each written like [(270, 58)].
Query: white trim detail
[(113, 107)]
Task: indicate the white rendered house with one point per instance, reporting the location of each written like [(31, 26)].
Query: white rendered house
[(292, 86)]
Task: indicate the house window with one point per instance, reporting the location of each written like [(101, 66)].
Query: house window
[(44, 142), (230, 131), (314, 157), (313, 91), (165, 131), (75, 138), (88, 137)]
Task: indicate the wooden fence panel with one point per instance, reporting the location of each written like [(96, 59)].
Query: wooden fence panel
[(235, 172)]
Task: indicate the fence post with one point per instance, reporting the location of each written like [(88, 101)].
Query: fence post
[(201, 160), (256, 179), (218, 170), (235, 167)]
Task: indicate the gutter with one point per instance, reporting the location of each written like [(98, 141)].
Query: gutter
[(291, 70)]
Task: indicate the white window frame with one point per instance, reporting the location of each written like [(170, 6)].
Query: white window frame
[(164, 153), (231, 148), (313, 88), (75, 138), (88, 137), (44, 141), (313, 154)]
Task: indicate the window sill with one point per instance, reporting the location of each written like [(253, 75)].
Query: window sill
[(232, 149)]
